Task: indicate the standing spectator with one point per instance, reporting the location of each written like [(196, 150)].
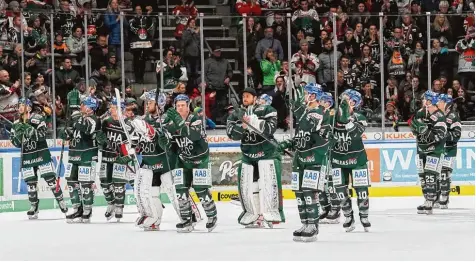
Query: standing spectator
[(8, 96), (76, 45), (416, 62), (350, 75), (441, 30), (441, 62), (373, 41), (15, 30), (253, 81), (366, 67), (465, 48), (38, 64), (112, 20), (98, 52), (218, 75), (183, 14), (341, 84), (190, 45), (113, 71), (253, 35), (362, 16), (267, 43), (98, 78), (270, 66), (95, 22), (349, 47), (37, 34), (359, 33), (391, 90), (307, 19), (279, 103), (411, 32), (142, 28), (172, 71), (66, 78), (370, 101), (280, 33), (64, 19), (392, 115), (305, 64), (325, 72), (13, 66), (28, 84), (463, 107), (396, 66), (248, 7)]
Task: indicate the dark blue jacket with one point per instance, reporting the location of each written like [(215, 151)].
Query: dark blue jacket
[(114, 28)]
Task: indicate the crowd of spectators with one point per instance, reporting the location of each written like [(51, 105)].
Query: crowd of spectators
[(405, 52)]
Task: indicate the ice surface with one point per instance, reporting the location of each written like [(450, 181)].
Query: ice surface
[(397, 233)]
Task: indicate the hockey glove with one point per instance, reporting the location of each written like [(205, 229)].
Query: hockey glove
[(74, 99), (65, 133), (101, 138), (419, 127), (343, 114), (256, 123), (123, 160), (75, 116), (163, 142), (284, 145), (173, 115)]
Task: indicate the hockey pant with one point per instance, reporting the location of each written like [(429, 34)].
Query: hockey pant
[(360, 178), (260, 191), (307, 183), (198, 177), (80, 178), (429, 170), (47, 172)]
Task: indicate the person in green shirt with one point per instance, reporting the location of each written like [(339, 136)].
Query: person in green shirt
[(270, 65)]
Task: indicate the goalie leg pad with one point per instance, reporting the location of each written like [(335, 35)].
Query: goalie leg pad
[(142, 194), (167, 186), (269, 191), (154, 207), (246, 189)]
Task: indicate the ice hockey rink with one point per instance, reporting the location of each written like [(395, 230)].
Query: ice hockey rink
[(397, 233)]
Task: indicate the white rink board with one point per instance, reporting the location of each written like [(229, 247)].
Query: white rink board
[(397, 233)]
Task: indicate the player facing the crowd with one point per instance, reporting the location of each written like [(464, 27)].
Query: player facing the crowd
[(453, 125), (29, 134), (349, 159), (82, 159), (259, 175), (429, 127), (193, 169), (311, 143)]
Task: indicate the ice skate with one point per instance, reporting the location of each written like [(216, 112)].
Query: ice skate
[(333, 217), (185, 227), (211, 223), (140, 220), (258, 223), (75, 216), (297, 233), (109, 211), (436, 204), (349, 223), (310, 233), (421, 209), (365, 223), (323, 215), (87, 213), (118, 211), (443, 202), (33, 212), (428, 207), (153, 227)]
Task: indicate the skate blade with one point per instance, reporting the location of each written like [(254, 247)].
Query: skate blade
[(333, 221), (350, 229), (443, 206), (436, 205), (74, 220), (155, 228), (118, 220), (86, 220), (297, 239), (185, 230), (309, 239), (254, 226), (421, 212), (109, 217), (33, 217), (429, 212), (367, 229), (323, 221), (211, 229)]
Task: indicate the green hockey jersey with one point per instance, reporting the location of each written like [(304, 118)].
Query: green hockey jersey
[(453, 125), (191, 139), (433, 140), (82, 145), (153, 156), (35, 149), (115, 138), (254, 146)]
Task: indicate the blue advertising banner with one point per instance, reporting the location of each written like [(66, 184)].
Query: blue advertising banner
[(399, 164)]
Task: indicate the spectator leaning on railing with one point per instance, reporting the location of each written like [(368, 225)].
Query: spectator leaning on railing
[(98, 52), (305, 64), (8, 96), (76, 44), (268, 42)]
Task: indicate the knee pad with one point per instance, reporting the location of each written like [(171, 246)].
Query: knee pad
[(51, 182), (107, 188)]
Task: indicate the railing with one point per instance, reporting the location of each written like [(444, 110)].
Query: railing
[(247, 51)]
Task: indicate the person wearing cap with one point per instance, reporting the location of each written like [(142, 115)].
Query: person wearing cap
[(260, 168), (113, 70), (29, 133), (98, 77), (392, 115), (218, 74), (210, 123), (81, 133)]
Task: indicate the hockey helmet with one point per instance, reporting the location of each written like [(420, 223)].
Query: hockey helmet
[(327, 97), (182, 97), (25, 101), (432, 97), (267, 99), (115, 102), (90, 102)]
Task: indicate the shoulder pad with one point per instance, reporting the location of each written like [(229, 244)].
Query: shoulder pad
[(260, 108), (36, 119)]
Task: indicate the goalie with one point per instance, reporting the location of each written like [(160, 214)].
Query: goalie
[(259, 175)]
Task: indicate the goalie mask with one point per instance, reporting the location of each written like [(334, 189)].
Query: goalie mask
[(25, 104), (265, 99)]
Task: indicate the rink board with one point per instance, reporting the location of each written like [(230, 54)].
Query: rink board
[(391, 165)]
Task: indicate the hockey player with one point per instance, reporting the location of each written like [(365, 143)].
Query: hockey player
[(29, 134), (453, 126), (349, 159), (113, 175), (80, 172), (328, 200), (265, 99), (259, 175), (311, 142), (193, 168), (430, 131)]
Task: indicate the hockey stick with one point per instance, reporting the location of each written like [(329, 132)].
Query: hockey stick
[(60, 161), (254, 129)]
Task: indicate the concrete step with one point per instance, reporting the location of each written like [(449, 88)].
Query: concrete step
[(223, 42), (206, 9), (209, 31)]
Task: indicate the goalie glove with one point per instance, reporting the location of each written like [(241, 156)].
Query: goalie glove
[(256, 123)]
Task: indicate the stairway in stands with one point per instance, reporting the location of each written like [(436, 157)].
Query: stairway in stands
[(216, 31)]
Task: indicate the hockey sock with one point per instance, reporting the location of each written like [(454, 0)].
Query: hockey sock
[(32, 192), (324, 199), (363, 201), (334, 199), (88, 194), (445, 185), (108, 191), (73, 188), (429, 189), (312, 206), (184, 205), (119, 194), (207, 202), (301, 206), (345, 201), (51, 181)]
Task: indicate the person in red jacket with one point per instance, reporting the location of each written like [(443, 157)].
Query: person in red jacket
[(183, 13), (249, 7)]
